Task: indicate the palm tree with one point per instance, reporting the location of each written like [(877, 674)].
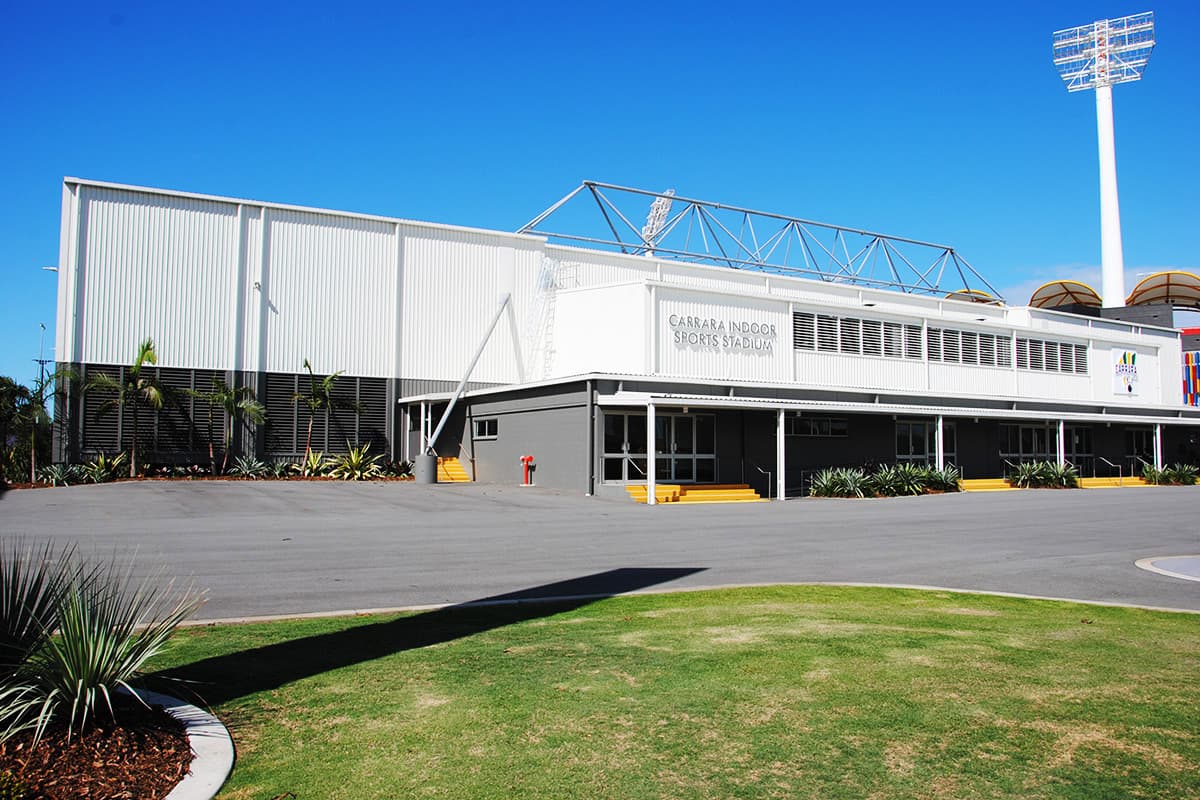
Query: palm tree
[(235, 401), (32, 410), (320, 396), (132, 392)]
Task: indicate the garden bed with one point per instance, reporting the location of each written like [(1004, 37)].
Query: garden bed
[(142, 755)]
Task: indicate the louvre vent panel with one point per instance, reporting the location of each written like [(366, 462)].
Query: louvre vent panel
[(281, 414), (372, 424), (100, 427), (363, 420)]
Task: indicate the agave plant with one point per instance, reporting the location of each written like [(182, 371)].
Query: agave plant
[(356, 465), (1152, 474), (1029, 475), (103, 469), (279, 469), (1061, 475), (945, 479), (884, 481), (32, 584), (60, 474), (397, 469), (313, 465), (840, 482), (108, 626), (1182, 474), (248, 467)]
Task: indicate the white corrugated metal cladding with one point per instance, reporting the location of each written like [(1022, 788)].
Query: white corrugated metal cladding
[(242, 285), (237, 285)]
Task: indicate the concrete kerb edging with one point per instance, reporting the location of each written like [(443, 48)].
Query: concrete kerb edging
[(363, 612), (212, 748), (1151, 565)]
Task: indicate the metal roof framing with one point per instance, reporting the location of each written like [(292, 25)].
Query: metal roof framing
[(705, 232)]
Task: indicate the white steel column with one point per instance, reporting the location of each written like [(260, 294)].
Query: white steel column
[(939, 439), (651, 467), (1158, 459), (1062, 443), (780, 457), (424, 434), (1112, 259)]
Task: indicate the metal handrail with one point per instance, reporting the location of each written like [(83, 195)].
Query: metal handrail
[(1120, 470), (769, 475), (633, 464)]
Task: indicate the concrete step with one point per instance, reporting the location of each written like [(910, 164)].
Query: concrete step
[(705, 493), (451, 470), (1111, 483), (986, 485)]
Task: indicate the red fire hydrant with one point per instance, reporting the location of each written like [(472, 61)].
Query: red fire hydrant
[(527, 463)]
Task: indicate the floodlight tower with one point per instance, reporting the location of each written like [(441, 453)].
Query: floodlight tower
[(1095, 57)]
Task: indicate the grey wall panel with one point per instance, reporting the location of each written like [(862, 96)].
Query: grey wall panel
[(556, 438)]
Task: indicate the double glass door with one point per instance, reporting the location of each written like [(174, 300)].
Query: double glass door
[(684, 448)]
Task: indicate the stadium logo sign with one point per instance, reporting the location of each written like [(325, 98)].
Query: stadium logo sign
[(725, 335), (1125, 372)]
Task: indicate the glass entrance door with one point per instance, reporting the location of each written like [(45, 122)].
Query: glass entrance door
[(684, 448)]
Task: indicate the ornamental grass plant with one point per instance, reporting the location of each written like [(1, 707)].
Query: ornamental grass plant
[(74, 634)]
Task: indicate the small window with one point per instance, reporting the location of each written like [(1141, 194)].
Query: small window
[(486, 428)]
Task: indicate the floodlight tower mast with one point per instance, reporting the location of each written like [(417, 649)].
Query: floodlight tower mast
[(1096, 56)]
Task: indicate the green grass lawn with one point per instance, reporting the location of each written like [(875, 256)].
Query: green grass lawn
[(796, 692)]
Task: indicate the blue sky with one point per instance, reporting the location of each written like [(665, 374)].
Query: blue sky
[(941, 121)]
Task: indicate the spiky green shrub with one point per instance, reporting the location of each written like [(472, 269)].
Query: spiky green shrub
[(945, 479), (841, 482), (911, 479), (884, 481), (355, 465), (824, 484), (60, 474), (248, 467), (1152, 474), (1029, 475), (397, 469), (1180, 474), (19, 705), (279, 469), (313, 465), (33, 581), (109, 625), (103, 469), (1061, 476), (1044, 474)]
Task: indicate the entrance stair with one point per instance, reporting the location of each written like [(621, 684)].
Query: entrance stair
[(987, 485), (1111, 483), (701, 493), (450, 470)]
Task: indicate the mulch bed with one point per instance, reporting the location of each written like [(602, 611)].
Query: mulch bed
[(157, 478), (140, 758)]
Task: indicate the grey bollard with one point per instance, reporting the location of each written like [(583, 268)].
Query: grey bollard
[(425, 469)]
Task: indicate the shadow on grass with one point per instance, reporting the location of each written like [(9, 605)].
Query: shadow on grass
[(220, 679)]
